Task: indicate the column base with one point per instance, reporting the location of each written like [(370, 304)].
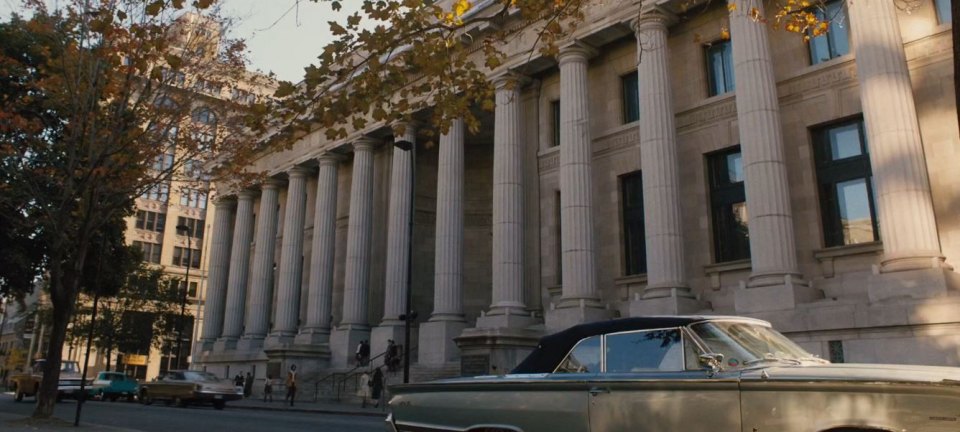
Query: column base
[(278, 340), (381, 334), (764, 296), (308, 337), (505, 318), (565, 317), (205, 345), (436, 344), (494, 351), (343, 344), (671, 305), (912, 260), (225, 344), (250, 343), (916, 284)]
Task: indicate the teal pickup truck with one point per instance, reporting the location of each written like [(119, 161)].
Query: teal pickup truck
[(114, 385)]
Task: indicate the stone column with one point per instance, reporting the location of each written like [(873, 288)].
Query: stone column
[(261, 284), (666, 291), (320, 297), (354, 326), (239, 269), (580, 301), (398, 243), (287, 306), (447, 322), (508, 308), (218, 272), (775, 283), (912, 257)]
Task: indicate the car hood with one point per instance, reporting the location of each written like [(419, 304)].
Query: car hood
[(858, 372)]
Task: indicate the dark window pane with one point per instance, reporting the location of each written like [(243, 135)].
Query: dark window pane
[(631, 97), (555, 115), (634, 241), (836, 41), (728, 202), (583, 358), (657, 350), (720, 77)]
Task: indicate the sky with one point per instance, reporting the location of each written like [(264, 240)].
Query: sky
[(283, 36)]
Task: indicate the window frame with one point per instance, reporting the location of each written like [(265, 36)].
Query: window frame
[(831, 35), (712, 89), (829, 173), (630, 81), (555, 123), (626, 225), (722, 196), (943, 19)]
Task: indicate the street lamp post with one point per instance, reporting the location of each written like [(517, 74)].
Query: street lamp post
[(409, 315), (183, 296)]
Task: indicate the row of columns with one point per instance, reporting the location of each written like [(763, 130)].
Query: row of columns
[(905, 207)]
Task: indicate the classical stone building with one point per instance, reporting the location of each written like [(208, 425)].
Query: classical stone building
[(653, 167)]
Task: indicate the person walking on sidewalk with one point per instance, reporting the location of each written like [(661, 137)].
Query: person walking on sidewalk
[(291, 384), (268, 388), (376, 386), (363, 388), (248, 385)]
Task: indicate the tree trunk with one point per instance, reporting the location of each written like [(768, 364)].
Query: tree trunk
[(64, 283)]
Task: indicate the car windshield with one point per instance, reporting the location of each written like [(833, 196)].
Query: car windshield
[(747, 344), (200, 376)]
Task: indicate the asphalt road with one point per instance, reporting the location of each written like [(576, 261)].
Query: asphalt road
[(159, 418)]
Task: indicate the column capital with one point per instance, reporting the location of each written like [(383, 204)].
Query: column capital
[(576, 51), (271, 184), (329, 158), (406, 130), (246, 195), (298, 172), (510, 79), (364, 143), (653, 18), (224, 201)]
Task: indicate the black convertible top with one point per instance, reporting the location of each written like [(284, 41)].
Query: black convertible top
[(552, 349)]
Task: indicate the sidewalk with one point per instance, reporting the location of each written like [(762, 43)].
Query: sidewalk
[(14, 422), (346, 408)]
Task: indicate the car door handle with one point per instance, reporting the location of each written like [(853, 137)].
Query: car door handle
[(598, 390)]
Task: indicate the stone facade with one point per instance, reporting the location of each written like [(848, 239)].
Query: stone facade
[(514, 237)]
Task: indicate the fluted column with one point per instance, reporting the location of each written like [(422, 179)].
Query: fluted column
[(239, 269), (666, 290), (447, 321), (507, 198), (576, 180), (448, 261), (258, 304), (320, 296), (219, 268), (287, 306), (772, 245), (356, 281), (907, 224), (398, 228)]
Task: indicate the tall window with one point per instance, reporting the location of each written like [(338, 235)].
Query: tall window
[(151, 251), (720, 67), (555, 119), (159, 192), (164, 161), (944, 15), (634, 241), (728, 204), (183, 256), (844, 177), (150, 221), (629, 84), (835, 42), (193, 198), (195, 225)]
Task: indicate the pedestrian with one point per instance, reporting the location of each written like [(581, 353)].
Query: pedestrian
[(376, 386), (392, 356), (238, 380), (364, 353), (248, 385), (268, 388), (363, 388), (291, 384), (358, 355)]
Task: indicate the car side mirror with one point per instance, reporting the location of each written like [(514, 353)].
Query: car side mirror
[(712, 362)]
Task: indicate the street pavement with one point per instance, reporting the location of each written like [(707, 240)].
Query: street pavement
[(245, 416)]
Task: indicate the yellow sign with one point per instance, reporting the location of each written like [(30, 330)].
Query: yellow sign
[(135, 359)]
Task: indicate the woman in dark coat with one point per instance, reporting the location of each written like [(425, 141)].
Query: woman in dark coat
[(376, 386)]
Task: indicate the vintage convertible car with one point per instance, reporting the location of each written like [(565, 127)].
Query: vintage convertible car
[(184, 387), (683, 373)]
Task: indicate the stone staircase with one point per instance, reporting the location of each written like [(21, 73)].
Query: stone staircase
[(341, 386)]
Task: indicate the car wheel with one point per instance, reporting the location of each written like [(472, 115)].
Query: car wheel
[(219, 405), (131, 397), (113, 397), (145, 398), (17, 394), (179, 402)]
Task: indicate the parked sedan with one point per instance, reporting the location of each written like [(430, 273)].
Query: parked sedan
[(114, 385), (683, 373), (184, 387)]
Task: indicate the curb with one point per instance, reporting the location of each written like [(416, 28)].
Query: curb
[(308, 410)]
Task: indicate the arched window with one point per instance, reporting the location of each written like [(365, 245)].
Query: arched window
[(165, 102)]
